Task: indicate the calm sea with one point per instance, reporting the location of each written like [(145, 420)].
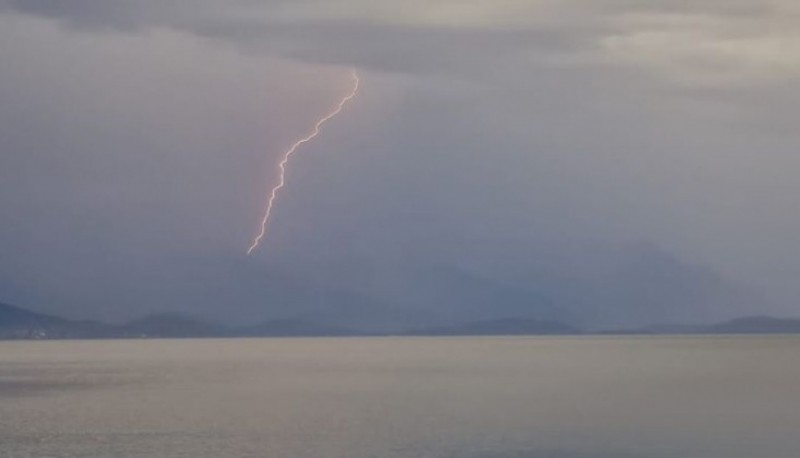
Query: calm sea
[(607, 397)]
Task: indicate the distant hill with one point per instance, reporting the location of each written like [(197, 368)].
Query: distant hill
[(19, 323), (11, 316), (744, 325), (292, 328), (756, 325), (508, 326), (172, 325)]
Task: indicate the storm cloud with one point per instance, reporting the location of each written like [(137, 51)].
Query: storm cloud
[(603, 162)]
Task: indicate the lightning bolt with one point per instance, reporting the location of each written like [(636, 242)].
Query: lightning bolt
[(288, 154)]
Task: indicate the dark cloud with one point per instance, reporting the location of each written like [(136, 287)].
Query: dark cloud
[(118, 14), (507, 167), (123, 14), (450, 50)]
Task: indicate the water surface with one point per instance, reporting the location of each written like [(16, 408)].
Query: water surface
[(578, 397)]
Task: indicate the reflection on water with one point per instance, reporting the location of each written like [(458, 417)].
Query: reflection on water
[(580, 397)]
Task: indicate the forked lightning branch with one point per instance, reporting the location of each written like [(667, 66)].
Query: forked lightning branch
[(273, 194)]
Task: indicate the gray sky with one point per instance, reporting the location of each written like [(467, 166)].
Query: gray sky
[(602, 161)]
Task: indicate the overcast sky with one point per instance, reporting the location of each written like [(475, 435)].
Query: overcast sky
[(608, 161)]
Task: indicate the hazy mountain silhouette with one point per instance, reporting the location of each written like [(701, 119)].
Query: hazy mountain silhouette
[(756, 325), (507, 326), (290, 328), (19, 323), (172, 325), (11, 316), (744, 325)]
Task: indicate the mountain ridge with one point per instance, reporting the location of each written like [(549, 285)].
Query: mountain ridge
[(18, 323)]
